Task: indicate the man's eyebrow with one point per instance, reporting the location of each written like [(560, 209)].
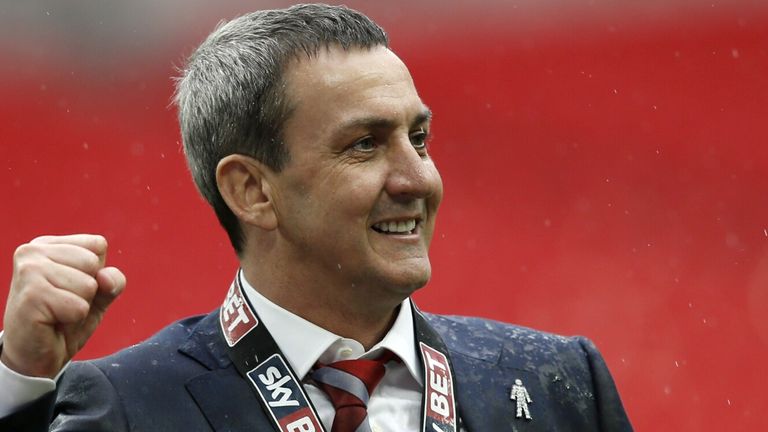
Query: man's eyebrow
[(424, 116), (375, 122)]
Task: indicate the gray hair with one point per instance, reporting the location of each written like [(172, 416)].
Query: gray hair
[(231, 95)]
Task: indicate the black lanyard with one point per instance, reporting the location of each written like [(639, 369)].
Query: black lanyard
[(258, 359)]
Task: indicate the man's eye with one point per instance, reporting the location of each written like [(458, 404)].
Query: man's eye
[(419, 139), (365, 145)]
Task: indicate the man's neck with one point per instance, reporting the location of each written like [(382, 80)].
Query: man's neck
[(351, 314)]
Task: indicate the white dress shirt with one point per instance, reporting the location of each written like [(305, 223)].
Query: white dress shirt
[(394, 406), (20, 389)]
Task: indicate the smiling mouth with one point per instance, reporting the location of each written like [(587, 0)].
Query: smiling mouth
[(403, 227)]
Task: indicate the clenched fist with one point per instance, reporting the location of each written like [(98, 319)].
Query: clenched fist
[(59, 293)]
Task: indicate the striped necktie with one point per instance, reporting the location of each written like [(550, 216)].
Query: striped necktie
[(349, 384)]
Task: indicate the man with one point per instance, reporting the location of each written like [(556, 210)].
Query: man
[(306, 135)]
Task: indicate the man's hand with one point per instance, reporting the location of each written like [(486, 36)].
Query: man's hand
[(59, 293)]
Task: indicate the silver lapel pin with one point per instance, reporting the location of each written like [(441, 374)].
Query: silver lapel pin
[(521, 397)]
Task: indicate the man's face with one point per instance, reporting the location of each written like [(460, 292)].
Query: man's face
[(356, 203)]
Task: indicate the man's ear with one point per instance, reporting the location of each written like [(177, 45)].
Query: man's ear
[(242, 183)]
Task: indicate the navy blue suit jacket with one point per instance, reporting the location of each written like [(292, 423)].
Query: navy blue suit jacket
[(182, 380)]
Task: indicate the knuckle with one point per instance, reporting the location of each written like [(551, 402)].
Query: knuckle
[(79, 309), (24, 250), (43, 240), (91, 286), (99, 242), (91, 262), (32, 296), (40, 239), (25, 268)]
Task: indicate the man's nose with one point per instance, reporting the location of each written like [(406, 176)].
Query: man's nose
[(412, 175)]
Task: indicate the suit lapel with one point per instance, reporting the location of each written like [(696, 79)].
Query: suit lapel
[(484, 378), (227, 402), (482, 385), (223, 396), (483, 396)]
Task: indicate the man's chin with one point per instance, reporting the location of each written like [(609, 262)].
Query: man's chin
[(407, 282), (395, 279)]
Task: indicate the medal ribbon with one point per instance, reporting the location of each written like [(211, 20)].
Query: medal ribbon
[(257, 357)]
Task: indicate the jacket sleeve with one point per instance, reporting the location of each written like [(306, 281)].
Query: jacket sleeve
[(610, 410), (32, 417), (84, 400)]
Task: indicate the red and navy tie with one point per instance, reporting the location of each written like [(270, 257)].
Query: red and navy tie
[(349, 384)]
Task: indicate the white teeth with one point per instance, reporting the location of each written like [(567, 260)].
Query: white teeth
[(400, 227)]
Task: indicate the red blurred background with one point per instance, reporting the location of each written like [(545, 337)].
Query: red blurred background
[(605, 166)]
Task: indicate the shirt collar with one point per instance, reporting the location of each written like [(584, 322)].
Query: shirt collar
[(304, 343)]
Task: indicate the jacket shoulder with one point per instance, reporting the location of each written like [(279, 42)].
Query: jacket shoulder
[(134, 386), (160, 350), (565, 375), (490, 340)]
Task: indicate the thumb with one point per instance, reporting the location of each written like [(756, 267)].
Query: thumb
[(111, 284)]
